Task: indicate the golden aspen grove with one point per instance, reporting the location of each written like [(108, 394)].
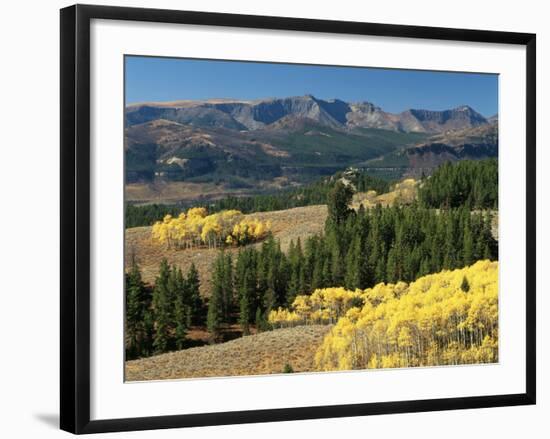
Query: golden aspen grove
[(447, 318), (196, 227)]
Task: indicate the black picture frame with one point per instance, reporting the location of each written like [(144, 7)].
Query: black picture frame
[(75, 217)]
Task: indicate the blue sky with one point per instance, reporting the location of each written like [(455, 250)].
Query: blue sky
[(169, 79)]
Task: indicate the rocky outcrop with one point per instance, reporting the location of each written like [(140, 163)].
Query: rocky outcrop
[(334, 113)]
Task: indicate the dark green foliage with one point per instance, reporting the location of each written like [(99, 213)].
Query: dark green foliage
[(137, 216), (162, 308), (246, 284), (215, 315), (262, 323), (465, 285), (356, 250), (157, 319), (288, 368), (310, 194), (338, 202), (195, 301), (389, 245), (315, 146), (473, 184), (140, 161), (182, 307), (227, 286), (138, 301)]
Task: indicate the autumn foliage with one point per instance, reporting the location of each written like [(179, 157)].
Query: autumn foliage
[(196, 228), (446, 318)]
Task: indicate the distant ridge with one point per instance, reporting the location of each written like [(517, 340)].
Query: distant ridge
[(252, 115)]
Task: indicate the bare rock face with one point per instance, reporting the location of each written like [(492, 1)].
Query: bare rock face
[(441, 121), (246, 145), (367, 115), (334, 113), (474, 143)]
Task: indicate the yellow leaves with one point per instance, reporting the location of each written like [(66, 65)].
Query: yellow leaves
[(250, 229), (197, 212), (197, 227), (282, 318), (428, 322), (404, 339)]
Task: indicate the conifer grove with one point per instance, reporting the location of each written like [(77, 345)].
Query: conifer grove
[(403, 285)]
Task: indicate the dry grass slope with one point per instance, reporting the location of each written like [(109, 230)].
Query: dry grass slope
[(286, 225), (260, 354), (403, 192)]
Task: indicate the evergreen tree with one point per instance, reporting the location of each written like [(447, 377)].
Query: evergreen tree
[(468, 245), (246, 293), (214, 316), (380, 261), (391, 266), (161, 307), (288, 368), (136, 307), (261, 321), (182, 308), (193, 290), (227, 286), (149, 330), (465, 285), (356, 265), (338, 202)]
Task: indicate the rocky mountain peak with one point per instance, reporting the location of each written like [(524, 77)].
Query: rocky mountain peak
[(334, 113)]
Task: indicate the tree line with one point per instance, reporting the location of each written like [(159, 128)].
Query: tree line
[(469, 183), (450, 317), (357, 250), (158, 317), (308, 195)]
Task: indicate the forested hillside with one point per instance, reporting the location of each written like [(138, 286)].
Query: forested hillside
[(441, 319), (308, 195), (372, 264), (472, 184)]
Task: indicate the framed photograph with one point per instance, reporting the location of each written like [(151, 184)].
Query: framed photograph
[(268, 219)]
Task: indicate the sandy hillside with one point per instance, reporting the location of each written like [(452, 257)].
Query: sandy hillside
[(260, 354), (286, 225)]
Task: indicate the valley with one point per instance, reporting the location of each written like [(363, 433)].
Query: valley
[(204, 150), (291, 234)]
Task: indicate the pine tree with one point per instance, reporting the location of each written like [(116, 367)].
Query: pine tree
[(161, 307), (149, 330), (214, 316), (380, 261), (261, 322), (336, 255), (246, 292), (288, 368), (227, 285), (269, 300), (293, 287), (338, 202), (136, 307), (468, 245), (317, 275), (465, 285), (182, 309), (195, 301), (358, 270), (391, 266)]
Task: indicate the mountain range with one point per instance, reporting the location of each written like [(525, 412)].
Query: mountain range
[(334, 113), (268, 144)]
